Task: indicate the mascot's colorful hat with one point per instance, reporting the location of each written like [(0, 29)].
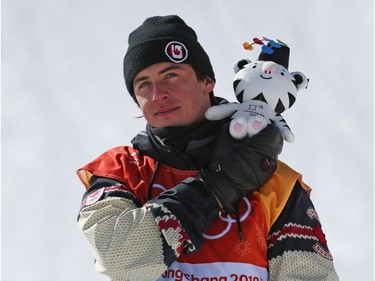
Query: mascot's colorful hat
[(278, 53), (163, 39)]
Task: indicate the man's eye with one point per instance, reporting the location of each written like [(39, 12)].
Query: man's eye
[(143, 85), (170, 75)]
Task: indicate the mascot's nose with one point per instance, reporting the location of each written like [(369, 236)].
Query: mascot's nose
[(269, 67)]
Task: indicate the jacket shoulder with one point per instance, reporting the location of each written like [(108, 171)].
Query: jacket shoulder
[(122, 163), (274, 194)]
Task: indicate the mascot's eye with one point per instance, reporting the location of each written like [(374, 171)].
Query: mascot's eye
[(254, 66), (282, 73)]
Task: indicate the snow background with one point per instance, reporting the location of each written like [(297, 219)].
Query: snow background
[(64, 102)]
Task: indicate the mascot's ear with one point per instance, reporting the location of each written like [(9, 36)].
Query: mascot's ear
[(238, 65), (301, 81)]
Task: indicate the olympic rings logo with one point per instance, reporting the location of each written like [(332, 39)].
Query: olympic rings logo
[(226, 219)]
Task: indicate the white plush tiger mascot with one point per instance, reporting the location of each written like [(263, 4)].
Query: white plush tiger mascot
[(265, 88)]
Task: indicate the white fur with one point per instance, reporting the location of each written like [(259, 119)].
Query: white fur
[(271, 80)]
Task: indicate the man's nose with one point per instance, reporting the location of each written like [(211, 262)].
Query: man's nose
[(159, 92)]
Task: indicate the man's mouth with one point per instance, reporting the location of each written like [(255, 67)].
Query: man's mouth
[(165, 111)]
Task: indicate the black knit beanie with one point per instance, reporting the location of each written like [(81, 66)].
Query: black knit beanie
[(163, 39)]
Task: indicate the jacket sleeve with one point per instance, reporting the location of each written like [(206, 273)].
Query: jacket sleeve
[(297, 247), (131, 241)]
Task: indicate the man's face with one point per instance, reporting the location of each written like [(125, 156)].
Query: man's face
[(170, 94)]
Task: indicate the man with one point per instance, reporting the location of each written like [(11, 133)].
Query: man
[(186, 201)]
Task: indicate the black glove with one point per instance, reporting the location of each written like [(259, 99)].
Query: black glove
[(239, 167), (192, 204)]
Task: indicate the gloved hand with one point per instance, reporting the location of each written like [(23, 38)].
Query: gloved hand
[(238, 167)]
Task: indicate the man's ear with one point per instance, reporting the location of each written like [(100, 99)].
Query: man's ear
[(209, 84), (208, 80)]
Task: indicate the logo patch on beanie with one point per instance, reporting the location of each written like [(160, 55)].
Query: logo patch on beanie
[(176, 51)]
